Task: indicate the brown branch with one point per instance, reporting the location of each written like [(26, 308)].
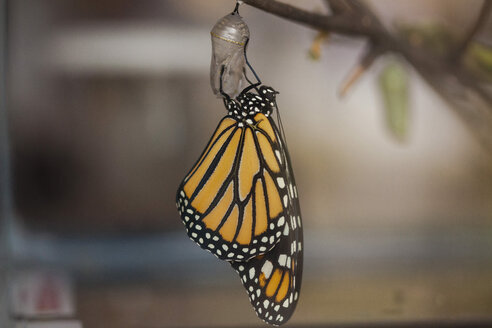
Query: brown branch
[(313, 20), (365, 24), (340, 7), (439, 73)]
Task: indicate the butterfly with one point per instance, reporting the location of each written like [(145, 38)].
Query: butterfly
[(240, 202)]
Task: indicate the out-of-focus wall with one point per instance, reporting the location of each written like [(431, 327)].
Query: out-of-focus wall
[(111, 105)]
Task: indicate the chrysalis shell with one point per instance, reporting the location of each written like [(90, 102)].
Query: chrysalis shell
[(229, 37)]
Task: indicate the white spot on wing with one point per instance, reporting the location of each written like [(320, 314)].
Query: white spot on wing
[(267, 269), (278, 156), (286, 230), (282, 259)]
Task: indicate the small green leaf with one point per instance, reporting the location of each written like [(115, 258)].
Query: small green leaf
[(314, 52), (393, 83), (478, 59), (434, 38)]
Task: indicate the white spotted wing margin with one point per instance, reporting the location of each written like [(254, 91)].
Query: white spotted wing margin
[(273, 280)]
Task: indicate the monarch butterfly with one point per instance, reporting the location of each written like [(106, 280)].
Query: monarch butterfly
[(240, 202)]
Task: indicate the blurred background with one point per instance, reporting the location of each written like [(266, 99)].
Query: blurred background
[(109, 105)]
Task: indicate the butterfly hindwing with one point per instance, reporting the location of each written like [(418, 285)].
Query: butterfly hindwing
[(273, 280)]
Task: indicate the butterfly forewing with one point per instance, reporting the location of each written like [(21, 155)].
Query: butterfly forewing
[(234, 201)]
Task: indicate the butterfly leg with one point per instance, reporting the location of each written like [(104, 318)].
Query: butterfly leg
[(258, 81), (225, 96)]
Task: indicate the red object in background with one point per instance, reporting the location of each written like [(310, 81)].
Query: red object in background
[(41, 294), (48, 297)]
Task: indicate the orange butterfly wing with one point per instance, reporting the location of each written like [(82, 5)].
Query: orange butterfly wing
[(234, 200)]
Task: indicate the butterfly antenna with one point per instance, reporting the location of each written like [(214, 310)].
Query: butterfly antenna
[(246, 76), (258, 81)]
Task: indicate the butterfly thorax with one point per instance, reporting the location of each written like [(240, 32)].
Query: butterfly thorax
[(247, 104)]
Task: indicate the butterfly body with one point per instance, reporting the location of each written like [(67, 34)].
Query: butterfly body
[(239, 202)]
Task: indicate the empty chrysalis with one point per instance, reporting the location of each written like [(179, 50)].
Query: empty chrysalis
[(230, 37)]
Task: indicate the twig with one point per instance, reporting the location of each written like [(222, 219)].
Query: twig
[(461, 48), (364, 64)]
